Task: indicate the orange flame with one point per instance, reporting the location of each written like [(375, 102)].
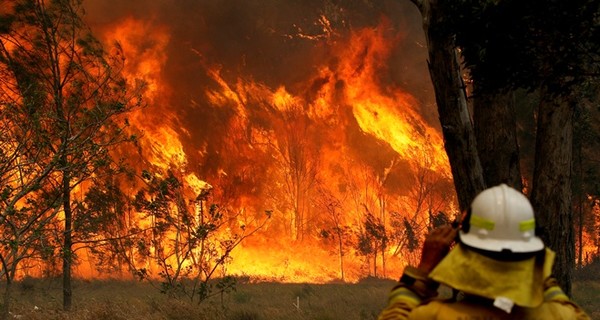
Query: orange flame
[(325, 134)]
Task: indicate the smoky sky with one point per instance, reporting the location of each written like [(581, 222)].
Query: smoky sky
[(261, 40), (254, 37)]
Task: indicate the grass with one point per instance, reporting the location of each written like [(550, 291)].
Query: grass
[(586, 288), (116, 300), (586, 295)]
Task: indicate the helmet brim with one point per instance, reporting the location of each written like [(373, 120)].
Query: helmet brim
[(532, 244)]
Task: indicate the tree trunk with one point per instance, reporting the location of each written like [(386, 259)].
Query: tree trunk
[(383, 240), (67, 244), (551, 193), (341, 252), (375, 251), (450, 96), (580, 231), (496, 132), (579, 194)]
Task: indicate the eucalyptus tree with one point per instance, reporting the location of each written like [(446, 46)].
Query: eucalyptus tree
[(63, 76), (106, 224), (336, 229), (27, 205)]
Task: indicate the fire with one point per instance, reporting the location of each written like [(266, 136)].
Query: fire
[(590, 246), (143, 45), (385, 113), (322, 151), (331, 146), (389, 116)]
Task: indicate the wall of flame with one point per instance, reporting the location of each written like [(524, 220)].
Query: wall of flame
[(241, 94)]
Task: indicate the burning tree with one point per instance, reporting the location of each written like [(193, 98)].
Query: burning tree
[(188, 240), (335, 228), (372, 240), (299, 161), (405, 237), (66, 92), (27, 206), (586, 189), (105, 224)]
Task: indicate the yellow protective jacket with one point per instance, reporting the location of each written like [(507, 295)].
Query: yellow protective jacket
[(405, 303)]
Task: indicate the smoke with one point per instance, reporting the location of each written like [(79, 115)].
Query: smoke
[(270, 43), (216, 67), (269, 40)]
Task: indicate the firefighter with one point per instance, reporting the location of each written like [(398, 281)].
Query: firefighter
[(499, 268)]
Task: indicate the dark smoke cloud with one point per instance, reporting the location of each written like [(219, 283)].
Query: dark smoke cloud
[(252, 36), (259, 40)]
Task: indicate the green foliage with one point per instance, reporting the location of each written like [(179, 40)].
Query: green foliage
[(404, 234), (91, 46), (220, 286), (6, 192), (375, 228), (102, 206), (226, 284)]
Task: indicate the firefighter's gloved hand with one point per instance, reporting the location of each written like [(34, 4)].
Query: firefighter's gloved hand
[(437, 245)]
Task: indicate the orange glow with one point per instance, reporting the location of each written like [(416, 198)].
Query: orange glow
[(386, 113), (143, 45), (329, 148), (591, 242)]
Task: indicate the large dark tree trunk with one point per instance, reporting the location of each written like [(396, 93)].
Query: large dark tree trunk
[(496, 132), (551, 192), (578, 193), (451, 100)]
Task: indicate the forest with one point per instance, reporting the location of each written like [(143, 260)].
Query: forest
[(191, 153)]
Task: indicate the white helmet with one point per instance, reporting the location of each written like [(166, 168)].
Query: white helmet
[(501, 218)]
